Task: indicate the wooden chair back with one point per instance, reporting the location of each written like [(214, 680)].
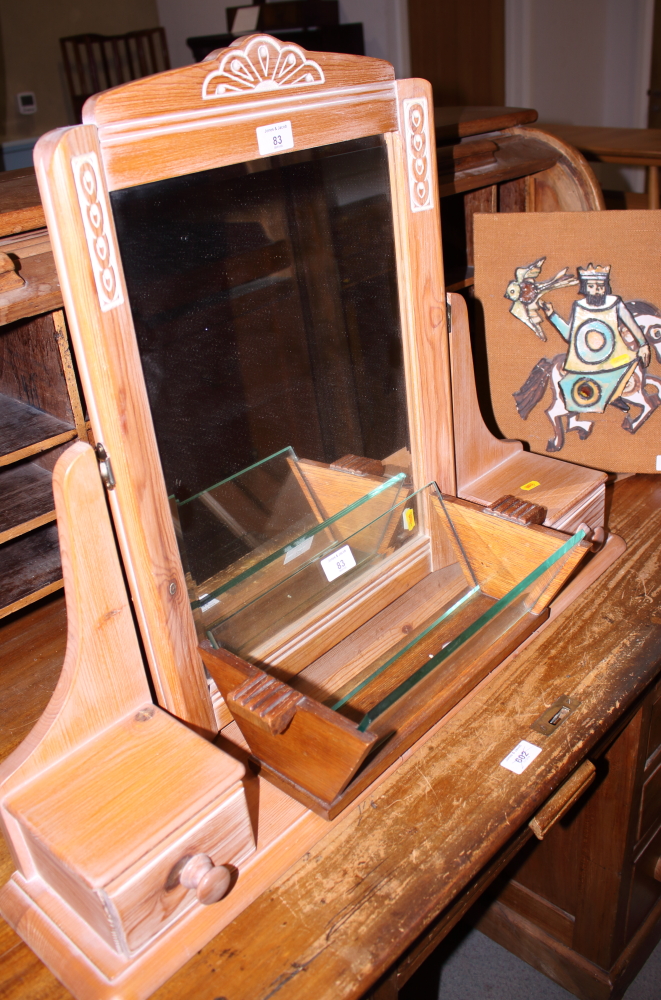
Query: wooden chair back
[(97, 62)]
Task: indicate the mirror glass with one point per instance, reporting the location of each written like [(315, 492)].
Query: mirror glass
[(264, 297)]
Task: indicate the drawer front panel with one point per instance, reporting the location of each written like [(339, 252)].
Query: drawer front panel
[(650, 809), (143, 904), (645, 888), (654, 739)]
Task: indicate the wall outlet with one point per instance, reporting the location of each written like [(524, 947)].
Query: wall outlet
[(27, 102)]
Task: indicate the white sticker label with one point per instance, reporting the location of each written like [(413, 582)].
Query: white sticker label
[(296, 550), (658, 463), (275, 138), (337, 564), (518, 759)]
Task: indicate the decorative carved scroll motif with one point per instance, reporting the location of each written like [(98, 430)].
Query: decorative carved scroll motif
[(100, 244), (264, 64), (416, 130)]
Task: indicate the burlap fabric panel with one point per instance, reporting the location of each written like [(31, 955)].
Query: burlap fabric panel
[(630, 241)]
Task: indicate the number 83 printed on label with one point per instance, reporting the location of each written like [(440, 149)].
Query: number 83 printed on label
[(274, 138), (340, 562)]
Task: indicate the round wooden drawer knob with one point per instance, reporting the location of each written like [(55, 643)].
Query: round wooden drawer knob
[(211, 882)]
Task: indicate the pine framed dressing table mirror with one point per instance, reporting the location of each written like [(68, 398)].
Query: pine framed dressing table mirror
[(249, 251)]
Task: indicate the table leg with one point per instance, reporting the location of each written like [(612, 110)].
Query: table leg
[(653, 187)]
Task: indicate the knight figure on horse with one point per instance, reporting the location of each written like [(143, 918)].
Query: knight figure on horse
[(604, 364)]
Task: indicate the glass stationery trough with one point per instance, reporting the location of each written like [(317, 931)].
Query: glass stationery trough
[(306, 550)]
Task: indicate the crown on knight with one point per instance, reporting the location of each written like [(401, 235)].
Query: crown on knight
[(594, 272)]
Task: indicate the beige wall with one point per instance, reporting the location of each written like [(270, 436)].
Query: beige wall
[(30, 33), (385, 26), (584, 63)]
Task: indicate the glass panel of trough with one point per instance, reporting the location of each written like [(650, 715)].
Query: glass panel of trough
[(478, 596), (351, 527)]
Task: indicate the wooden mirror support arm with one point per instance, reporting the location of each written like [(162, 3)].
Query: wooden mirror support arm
[(97, 900)]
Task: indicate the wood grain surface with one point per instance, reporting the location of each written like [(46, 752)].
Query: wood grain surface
[(515, 156), (100, 752), (40, 289), (360, 98), (25, 430), (458, 122), (20, 204), (125, 429), (31, 365), (336, 920), (570, 185), (624, 145), (141, 139)]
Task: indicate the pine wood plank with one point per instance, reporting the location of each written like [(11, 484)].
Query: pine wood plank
[(342, 664), (33, 597), (75, 403)]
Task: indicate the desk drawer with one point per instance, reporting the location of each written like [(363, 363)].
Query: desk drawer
[(654, 737), (646, 887), (143, 901), (650, 807)]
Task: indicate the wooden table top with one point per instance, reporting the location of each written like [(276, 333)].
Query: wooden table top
[(462, 121), (335, 921), (20, 204), (623, 145)]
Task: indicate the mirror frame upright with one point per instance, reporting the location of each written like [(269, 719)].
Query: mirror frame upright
[(193, 119)]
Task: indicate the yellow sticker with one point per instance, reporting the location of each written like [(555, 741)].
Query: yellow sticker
[(408, 518), (530, 486)]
